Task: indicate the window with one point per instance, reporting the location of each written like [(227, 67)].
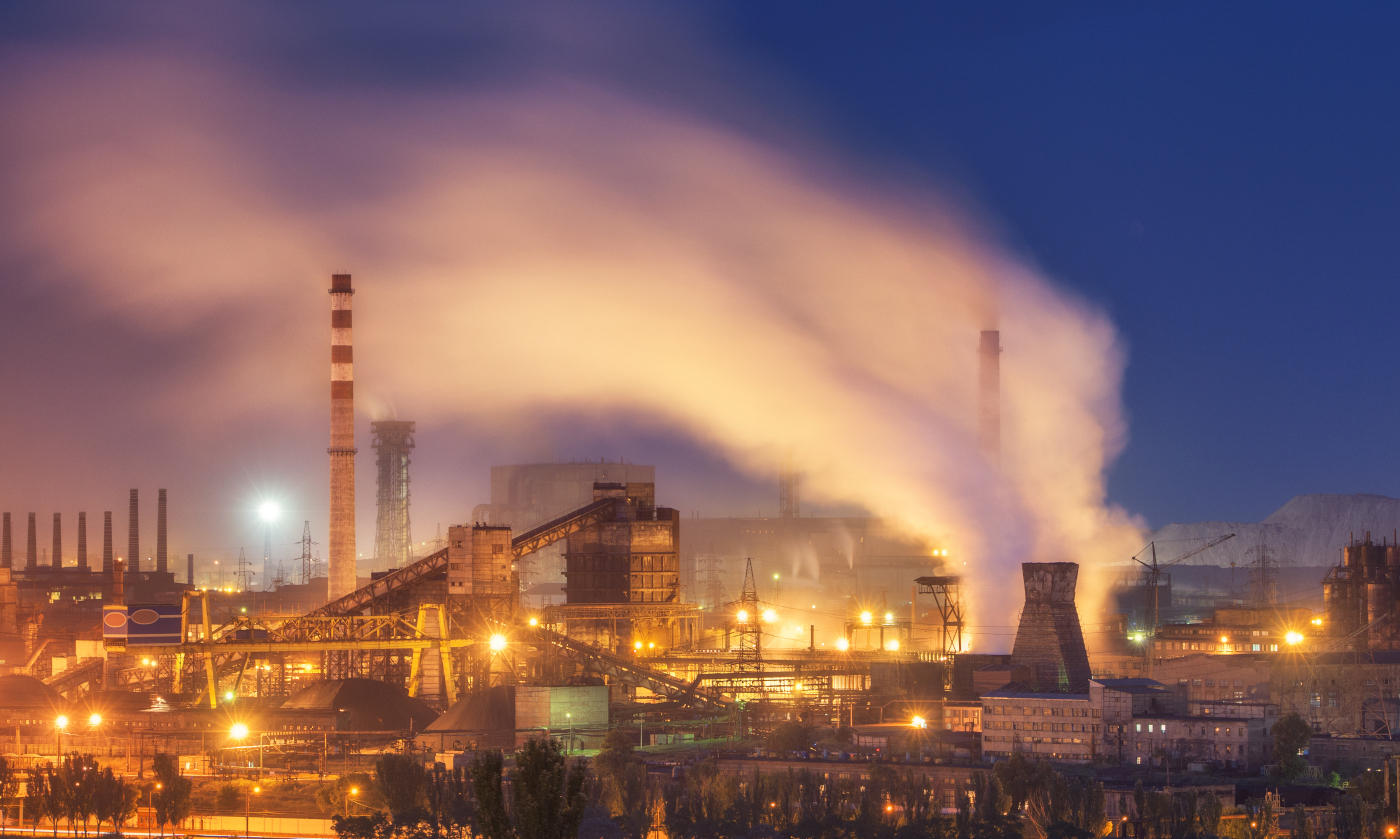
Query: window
[(1139, 726)]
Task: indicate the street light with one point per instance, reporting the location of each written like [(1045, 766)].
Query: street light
[(60, 725), (769, 615), (571, 732), (151, 806), (498, 642), (1293, 638), (843, 643), (743, 616), (354, 791), (269, 511), (919, 722), (866, 618), (247, 805)]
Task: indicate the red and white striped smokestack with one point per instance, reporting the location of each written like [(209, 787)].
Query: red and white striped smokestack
[(989, 395), (342, 451)]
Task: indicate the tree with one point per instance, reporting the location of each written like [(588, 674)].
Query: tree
[(9, 785), (1209, 812), (539, 787), (113, 800), (621, 777), (791, 736), (401, 780), (491, 819), (172, 800), (336, 798), (226, 800), (1291, 736), (359, 827), (1302, 824)]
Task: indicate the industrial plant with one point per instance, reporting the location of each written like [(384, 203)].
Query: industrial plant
[(573, 602)]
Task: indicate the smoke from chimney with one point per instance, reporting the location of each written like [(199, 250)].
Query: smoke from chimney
[(989, 395), (342, 451)]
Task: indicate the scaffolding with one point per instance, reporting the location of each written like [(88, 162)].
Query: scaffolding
[(393, 541)]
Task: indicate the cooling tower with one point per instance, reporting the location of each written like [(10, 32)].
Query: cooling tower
[(342, 451), (1049, 638)]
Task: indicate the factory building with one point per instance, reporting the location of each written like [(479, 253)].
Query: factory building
[(1361, 593), (632, 559)]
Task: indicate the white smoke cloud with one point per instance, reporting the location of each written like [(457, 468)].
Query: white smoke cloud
[(561, 247)]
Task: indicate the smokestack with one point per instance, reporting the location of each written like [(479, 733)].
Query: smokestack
[(107, 543), (31, 550), (189, 570), (160, 532), (118, 590), (342, 451), (133, 541), (82, 543), (989, 395), (1049, 638), (6, 559), (57, 561)]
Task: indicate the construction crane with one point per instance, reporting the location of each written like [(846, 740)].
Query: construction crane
[(1154, 577)]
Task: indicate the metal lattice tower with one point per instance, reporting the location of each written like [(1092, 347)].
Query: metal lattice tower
[(1263, 589), (307, 565), (393, 541), (242, 582), (749, 620)]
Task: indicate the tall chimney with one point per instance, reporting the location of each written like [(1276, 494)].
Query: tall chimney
[(107, 543), (57, 561), (133, 541), (6, 559), (160, 532), (82, 543), (989, 395), (118, 592), (31, 550), (189, 570), (342, 451)]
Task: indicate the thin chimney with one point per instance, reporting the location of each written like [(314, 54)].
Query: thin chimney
[(57, 561), (107, 543), (133, 541), (160, 532), (82, 543), (342, 451), (6, 558), (118, 589), (31, 549), (189, 570)]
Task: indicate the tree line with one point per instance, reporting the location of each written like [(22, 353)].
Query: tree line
[(85, 795)]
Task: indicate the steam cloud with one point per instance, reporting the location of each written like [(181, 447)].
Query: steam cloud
[(562, 247)]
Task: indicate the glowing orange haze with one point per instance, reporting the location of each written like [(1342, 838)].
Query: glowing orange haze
[(528, 250)]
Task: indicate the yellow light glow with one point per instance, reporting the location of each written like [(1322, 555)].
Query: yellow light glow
[(637, 645), (743, 616), (866, 618), (1294, 637), (534, 621), (919, 722), (889, 617), (843, 644), (651, 645), (95, 720), (60, 723), (797, 686), (769, 615), (1224, 639), (257, 789), (354, 790), (892, 644), (498, 642), (1317, 621), (238, 731)]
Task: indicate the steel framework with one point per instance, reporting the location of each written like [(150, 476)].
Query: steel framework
[(393, 539)]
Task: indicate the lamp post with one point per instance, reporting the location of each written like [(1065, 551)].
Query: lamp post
[(353, 792), (238, 731), (571, 732), (151, 807), (59, 725), (247, 806)]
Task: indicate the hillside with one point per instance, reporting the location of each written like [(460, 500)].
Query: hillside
[(1309, 530)]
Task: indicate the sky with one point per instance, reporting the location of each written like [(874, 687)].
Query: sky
[(1215, 183)]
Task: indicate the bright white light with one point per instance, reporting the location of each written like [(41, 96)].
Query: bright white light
[(866, 617), (1294, 637), (498, 642), (95, 720), (269, 511), (919, 722), (743, 616), (843, 644), (61, 723), (238, 731), (769, 615), (892, 645), (534, 621)]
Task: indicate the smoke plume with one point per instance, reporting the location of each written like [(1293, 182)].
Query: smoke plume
[(555, 246)]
